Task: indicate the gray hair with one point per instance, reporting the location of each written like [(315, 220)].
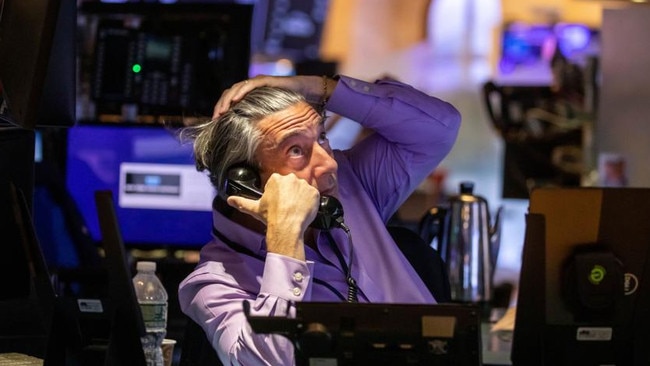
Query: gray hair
[(233, 137)]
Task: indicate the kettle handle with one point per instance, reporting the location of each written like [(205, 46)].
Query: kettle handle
[(495, 236), (431, 225)]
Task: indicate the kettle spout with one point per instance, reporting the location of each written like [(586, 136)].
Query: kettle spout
[(494, 233)]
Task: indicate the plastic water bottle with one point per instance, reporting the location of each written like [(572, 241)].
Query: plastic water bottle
[(152, 298)]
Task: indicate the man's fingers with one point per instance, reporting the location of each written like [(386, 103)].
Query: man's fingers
[(245, 205), (234, 94)]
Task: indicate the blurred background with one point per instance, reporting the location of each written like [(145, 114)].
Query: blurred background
[(525, 76), (451, 49), (551, 92), (475, 54)]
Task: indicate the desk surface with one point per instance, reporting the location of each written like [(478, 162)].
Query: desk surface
[(11, 359)]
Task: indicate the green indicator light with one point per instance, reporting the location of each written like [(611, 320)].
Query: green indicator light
[(136, 68), (597, 274)]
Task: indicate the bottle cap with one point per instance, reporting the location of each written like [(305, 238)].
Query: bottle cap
[(146, 266)]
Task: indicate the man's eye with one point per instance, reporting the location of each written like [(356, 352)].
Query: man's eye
[(295, 151), (322, 138)]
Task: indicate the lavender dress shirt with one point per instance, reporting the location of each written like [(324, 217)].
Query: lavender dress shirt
[(414, 132)]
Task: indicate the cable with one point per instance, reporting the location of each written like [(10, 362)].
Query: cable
[(353, 288)]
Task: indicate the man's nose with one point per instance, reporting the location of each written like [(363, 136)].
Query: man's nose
[(324, 158)]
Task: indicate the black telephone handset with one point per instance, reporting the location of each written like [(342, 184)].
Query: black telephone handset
[(243, 180)]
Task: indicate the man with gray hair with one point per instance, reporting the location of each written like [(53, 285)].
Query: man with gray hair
[(279, 233)]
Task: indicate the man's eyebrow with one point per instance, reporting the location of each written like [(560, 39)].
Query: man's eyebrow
[(289, 135), (283, 139)]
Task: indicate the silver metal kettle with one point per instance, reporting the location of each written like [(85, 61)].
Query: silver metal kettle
[(468, 241)]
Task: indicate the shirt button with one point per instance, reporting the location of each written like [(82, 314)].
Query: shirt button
[(366, 88), (298, 277), (353, 83), (297, 291)]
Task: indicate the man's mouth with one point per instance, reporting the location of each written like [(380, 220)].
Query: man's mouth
[(331, 190)]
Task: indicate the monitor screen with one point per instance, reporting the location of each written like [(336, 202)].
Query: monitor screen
[(527, 50), (161, 199), (577, 42), (289, 29), (525, 44), (160, 63)]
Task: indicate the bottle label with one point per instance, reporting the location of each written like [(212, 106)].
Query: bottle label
[(154, 315)]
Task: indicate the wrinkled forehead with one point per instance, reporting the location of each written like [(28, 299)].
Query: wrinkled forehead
[(300, 118)]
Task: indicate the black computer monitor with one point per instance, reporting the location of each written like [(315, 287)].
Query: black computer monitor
[(102, 326), (150, 62), (17, 170), (61, 229), (153, 179), (289, 29), (584, 290), (524, 45), (27, 302), (37, 62), (126, 324), (364, 334), (527, 49)]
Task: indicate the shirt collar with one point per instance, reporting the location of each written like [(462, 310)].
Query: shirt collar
[(239, 234)]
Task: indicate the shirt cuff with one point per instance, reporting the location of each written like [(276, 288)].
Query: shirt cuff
[(345, 99), (287, 278)]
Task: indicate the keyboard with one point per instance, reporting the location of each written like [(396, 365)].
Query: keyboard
[(14, 359)]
